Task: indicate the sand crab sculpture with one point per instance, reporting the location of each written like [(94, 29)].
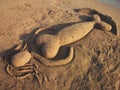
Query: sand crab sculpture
[(19, 57), (18, 65)]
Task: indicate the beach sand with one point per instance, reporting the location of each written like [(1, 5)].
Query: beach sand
[(96, 62), (114, 3)]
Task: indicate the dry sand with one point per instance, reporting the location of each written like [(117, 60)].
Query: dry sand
[(96, 63)]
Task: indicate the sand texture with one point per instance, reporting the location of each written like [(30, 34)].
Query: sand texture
[(92, 61)]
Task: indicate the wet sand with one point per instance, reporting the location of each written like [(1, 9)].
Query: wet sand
[(114, 3)]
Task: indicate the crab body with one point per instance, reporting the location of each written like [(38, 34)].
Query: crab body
[(20, 58)]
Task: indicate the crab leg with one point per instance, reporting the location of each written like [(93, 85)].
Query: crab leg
[(24, 76), (8, 67)]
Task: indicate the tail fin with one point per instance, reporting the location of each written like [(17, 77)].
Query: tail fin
[(101, 24)]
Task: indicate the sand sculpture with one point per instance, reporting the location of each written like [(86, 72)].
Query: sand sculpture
[(50, 44), (21, 57), (18, 65)]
